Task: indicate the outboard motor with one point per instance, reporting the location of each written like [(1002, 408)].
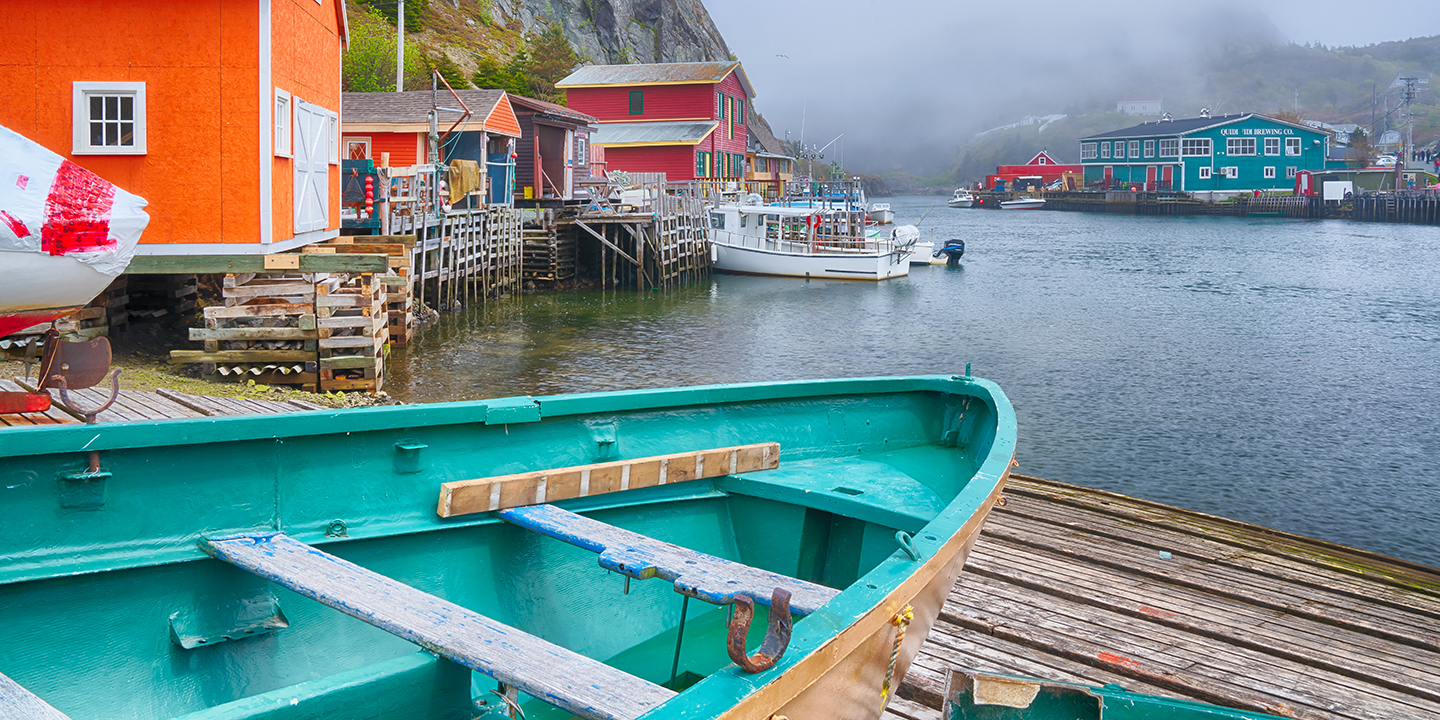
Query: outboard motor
[(953, 251)]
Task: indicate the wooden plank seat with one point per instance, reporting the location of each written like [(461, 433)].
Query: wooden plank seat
[(17, 703), (565, 679), (701, 576)]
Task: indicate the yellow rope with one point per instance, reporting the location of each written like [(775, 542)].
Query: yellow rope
[(900, 620)]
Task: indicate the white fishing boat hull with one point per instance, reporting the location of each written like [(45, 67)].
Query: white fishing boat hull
[(884, 215), (961, 202), (732, 257), (923, 254), (1023, 204)]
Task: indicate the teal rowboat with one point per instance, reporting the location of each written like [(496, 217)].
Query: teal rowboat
[(612, 555)]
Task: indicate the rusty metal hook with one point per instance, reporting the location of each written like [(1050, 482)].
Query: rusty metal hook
[(777, 638), (89, 415)]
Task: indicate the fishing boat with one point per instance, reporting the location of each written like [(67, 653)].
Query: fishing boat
[(961, 199), (65, 233), (1023, 203), (881, 213), (820, 242), (608, 555)]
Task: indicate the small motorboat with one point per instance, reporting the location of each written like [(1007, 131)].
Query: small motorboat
[(521, 557), (961, 199), (65, 233), (1023, 203), (951, 253), (881, 213)]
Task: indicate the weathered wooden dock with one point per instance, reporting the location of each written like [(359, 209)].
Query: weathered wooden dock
[(1085, 586), (140, 405)]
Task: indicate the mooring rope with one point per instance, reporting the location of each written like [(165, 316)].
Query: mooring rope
[(900, 620)]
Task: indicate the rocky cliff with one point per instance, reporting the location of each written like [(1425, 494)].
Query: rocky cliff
[(602, 31)]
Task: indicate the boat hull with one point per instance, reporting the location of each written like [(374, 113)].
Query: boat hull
[(961, 203), (1022, 204), (740, 260), (925, 254), (106, 584), (884, 217), (37, 288)]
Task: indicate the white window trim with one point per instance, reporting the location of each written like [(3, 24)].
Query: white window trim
[(283, 141), (366, 141), (80, 117), (332, 126), (1269, 172), (1237, 147), (1089, 151), (1278, 144), (1209, 147), (1149, 148), (1105, 150), (1299, 147), (1290, 171), (1232, 172), (1135, 149), (1175, 154), (1204, 173)]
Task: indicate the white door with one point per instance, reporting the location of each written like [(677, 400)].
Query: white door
[(312, 167)]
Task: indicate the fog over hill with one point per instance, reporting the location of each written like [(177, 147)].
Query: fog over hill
[(910, 82)]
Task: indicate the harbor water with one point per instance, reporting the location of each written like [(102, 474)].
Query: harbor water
[(1279, 372)]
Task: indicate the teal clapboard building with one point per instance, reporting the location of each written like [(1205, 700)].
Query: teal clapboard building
[(1224, 155)]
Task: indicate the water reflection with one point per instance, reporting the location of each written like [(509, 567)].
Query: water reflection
[(1279, 372)]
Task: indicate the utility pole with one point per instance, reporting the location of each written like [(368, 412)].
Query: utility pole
[(400, 48)]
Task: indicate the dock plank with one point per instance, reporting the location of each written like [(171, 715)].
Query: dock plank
[(1069, 584)]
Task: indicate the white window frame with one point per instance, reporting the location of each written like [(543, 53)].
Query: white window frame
[(1232, 171), (1119, 152), (1105, 150), (332, 125), (1295, 143), (1170, 148), (1269, 141), (1195, 147), (1205, 173), (80, 117), (1135, 149), (1290, 171), (1149, 148), (1089, 151), (1240, 147), (1269, 172), (348, 139), (283, 103)]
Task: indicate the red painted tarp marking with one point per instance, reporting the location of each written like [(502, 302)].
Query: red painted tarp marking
[(77, 212), (15, 224), (21, 181)]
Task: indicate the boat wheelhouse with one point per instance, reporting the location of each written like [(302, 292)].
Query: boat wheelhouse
[(825, 242)]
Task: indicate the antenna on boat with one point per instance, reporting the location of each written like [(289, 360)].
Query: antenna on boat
[(927, 212)]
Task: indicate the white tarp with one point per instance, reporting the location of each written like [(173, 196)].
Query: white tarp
[(53, 206), (1337, 189)]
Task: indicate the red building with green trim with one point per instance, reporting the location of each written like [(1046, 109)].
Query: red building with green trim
[(686, 120)]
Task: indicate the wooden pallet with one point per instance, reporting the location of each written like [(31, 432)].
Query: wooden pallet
[(263, 331), (353, 331), (150, 297), (396, 283)]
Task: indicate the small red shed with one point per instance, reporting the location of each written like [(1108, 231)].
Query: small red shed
[(1042, 170)]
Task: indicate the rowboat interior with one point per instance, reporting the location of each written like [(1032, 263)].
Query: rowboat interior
[(588, 556)]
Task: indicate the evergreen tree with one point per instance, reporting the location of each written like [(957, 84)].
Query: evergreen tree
[(550, 57)]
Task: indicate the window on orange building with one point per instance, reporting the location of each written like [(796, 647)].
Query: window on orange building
[(108, 118)]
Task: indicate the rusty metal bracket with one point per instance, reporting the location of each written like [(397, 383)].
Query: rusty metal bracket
[(777, 638), (89, 415)]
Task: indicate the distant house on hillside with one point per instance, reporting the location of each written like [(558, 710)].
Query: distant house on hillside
[(686, 120), (393, 128), (766, 161), (555, 139), (224, 116), (1041, 170), (1138, 107), (1214, 156)]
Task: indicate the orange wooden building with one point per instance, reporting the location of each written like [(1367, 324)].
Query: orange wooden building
[(223, 114)]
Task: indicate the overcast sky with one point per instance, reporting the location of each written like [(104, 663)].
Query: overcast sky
[(926, 72)]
